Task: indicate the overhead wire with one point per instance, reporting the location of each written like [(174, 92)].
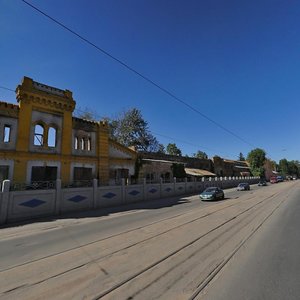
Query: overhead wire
[(166, 91), (155, 133), (5, 88)]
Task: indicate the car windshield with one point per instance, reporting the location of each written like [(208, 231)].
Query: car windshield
[(209, 190)]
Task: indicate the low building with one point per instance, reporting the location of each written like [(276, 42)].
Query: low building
[(41, 141), (226, 167), (159, 165)]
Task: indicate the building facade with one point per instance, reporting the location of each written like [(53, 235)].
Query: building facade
[(227, 167), (159, 165), (41, 140)]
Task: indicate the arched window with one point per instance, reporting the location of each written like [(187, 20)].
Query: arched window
[(52, 137), (76, 146), (82, 143), (38, 135), (89, 144)]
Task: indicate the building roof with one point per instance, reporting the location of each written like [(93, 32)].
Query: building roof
[(242, 167), (198, 172), (164, 161)]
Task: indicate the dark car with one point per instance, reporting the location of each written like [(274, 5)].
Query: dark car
[(212, 193), (262, 183), (243, 186)]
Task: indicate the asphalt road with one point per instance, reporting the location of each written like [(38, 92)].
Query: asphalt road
[(268, 265), (47, 237), (176, 248)]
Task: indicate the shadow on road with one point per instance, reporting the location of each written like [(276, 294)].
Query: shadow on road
[(100, 212)]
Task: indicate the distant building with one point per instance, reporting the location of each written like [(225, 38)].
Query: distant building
[(226, 167), (159, 165), (40, 140)]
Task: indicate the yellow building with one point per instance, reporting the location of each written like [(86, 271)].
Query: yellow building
[(41, 141)]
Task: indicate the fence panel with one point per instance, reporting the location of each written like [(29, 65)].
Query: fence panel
[(152, 191), (31, 204), (167, 190), (109, 196), (134, 193), (76, 199)]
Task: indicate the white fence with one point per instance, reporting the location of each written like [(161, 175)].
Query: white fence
[(22, 205)]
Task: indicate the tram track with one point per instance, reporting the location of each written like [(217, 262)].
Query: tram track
[(146, 240), (79, 246), (181, 249)]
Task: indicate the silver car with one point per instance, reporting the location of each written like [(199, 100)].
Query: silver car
[(243, 186), (212, 193)]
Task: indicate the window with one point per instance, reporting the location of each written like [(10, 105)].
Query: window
[(4, 173), (52, 137), (6, 136), (82, 143), (38, 135), (76, 146), (89, 144), (43, 174), (83, 173)]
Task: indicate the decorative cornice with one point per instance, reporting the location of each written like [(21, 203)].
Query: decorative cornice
[(41, 95), (9, 109)]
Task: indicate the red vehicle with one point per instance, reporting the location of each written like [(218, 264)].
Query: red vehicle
[(273, 179)]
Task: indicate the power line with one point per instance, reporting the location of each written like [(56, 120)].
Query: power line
[(138, 73), (155, 133), (5, 88), (188, 143)]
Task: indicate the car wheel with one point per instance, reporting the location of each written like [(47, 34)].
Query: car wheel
[(223, 197)]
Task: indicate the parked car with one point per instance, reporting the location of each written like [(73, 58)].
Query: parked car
[(243, 186), (280, 179), (212, 193), (262, 183), (273, 179)]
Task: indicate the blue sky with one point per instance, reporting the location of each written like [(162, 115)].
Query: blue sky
[(237, 62)]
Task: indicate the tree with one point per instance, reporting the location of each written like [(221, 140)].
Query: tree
[(294, 168), (284, 167), (200, 154), (256, 159), (130, 129), (161, 148), (241, 157), (86, 114), (173, 150)]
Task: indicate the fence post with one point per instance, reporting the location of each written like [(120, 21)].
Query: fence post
[(95, 192), (160, 187), (123, 190), (4, 204), (185, 185), (174, 183), (144, 189), (58, 197)]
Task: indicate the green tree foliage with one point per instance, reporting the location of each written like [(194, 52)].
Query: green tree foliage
[(241, 157), (294, 167), (284, 167), (200, 154), (161, 148), (291, 168), (173, 150), (130, 129), (256, 159), (178, 170)]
